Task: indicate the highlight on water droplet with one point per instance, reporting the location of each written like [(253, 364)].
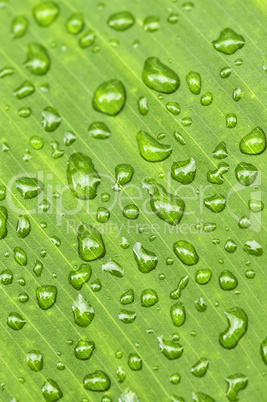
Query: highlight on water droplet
[(121, 21), (228, 41), (109, 97), (159, 77)]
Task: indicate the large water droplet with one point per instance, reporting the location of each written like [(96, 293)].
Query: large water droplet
[(186, 252), (90, 243), (46, 296), (146, 260), (131, 211), (23, 226), (29, 187), (38, 60), (45, 13), (82, 177), (19, 26), (124, 174), (246, 173), (150, 149), (83, 312), (184, 171), (170, 349), (121, 21), (235, 383), (253, 143), (178, 314), (84, 349), (51, 391), (229, 41), (159, 77), (194, 82), (75, 23), (15, 321), (149, 298), (113, 268), (252, 247), (35, 360), (237, 327), (99, 130), (200, 368), (109, 97), (50, 119), (216, 203)]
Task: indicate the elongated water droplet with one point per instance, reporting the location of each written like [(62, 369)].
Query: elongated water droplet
[(6, 71), (216, 176), (50, 119), (90, 243), (228, 41), (29, 187), (80, 276), (113, 268), (263, 350), (20, 256), (159, 77), (220, 152), (216, 203), (235, 383), (200, 368), (97, 381), (167, 207), (149, 298), (237, 327), (15, 321), (19, 27), (178, 314), (23, 226), (75, 23), (37, 269), (134, 362), (179, 138), (38, 60), (124, 174), (35, 360), (193, 80), (45, 13), (3, 222), (201, 304), (173, 108), (87, 39), (203, 276), (170, 349), (246, 173), (121, 374), (109, 97), (127, 316), (127, 297), (253, 143), (142, 105), (146, 260), (84, 349), (175, 294), (201, 397), (46, 296), (2, 192), (51, 391), (186, 252), (83, 312), (237, 94), (131, 211), (121, 21), (150, 149), (99, 130), (151, 23), (230, 120), (252, 247), (184, 171)]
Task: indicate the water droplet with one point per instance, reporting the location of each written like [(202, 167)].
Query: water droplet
[(244, 222), (201, 304), (149, 298), (255, 205), (230, 246), (173, 18), (159, 77), (177, 312), (227, 280), (216, 176), (167, 207), (253, 248), (109, 97), (29, 187), (90, 243), (15, 321), (23, 226), (246, 173), (238, 62), (20, 256), (3, 222), (2, 192), (151, 23), (19, 26), (83, 312), (193, 80), (46, 296), (127, 297), (134, 362), (228, 41), (50, 119), (146, 260), (51, 391), (179, 138), (150, 149), (237, 327), (131, 211), (253, 143), (96, 285), (200, 368), (113, 268), (35, 360), (69, 138), (36, 142), (88, 39), (235, 383), (220, 152), (38, 60), (173, 108), (188, 6), (186, 252), (102, 215), (99, 130), (175, 378), (80, 276), (121, 21), (230, 120), (6, 277), (216, 203), (187, 121), (142, 105), (127, 316), (170, 349), (209, 227), (84, 349), (45, 13), (75, 23), (206, 99), (124, 174), (201, 397), (6, 71), (184, 171), (263, 350), (121, 374), (237, 94), (24, 112), (105, 197), (175, 294), (23, 297)]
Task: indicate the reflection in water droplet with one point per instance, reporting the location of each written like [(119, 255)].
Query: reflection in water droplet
[(237, 327), (75, 23), (109, 97), (121, 21), (177, 312), (228, 41), (254, 143), (150, 149), (38, 60), (184, 171), (84, 349), (193, 80), (170, 349), (149, 298), (83, 312), (235, 383), (159, 77), (151, 23), (246, 173), (200, 368), (186, 252), (51, 391), (99, 130), (35, 360)]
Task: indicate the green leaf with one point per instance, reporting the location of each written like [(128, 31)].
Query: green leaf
[(129, 196)]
